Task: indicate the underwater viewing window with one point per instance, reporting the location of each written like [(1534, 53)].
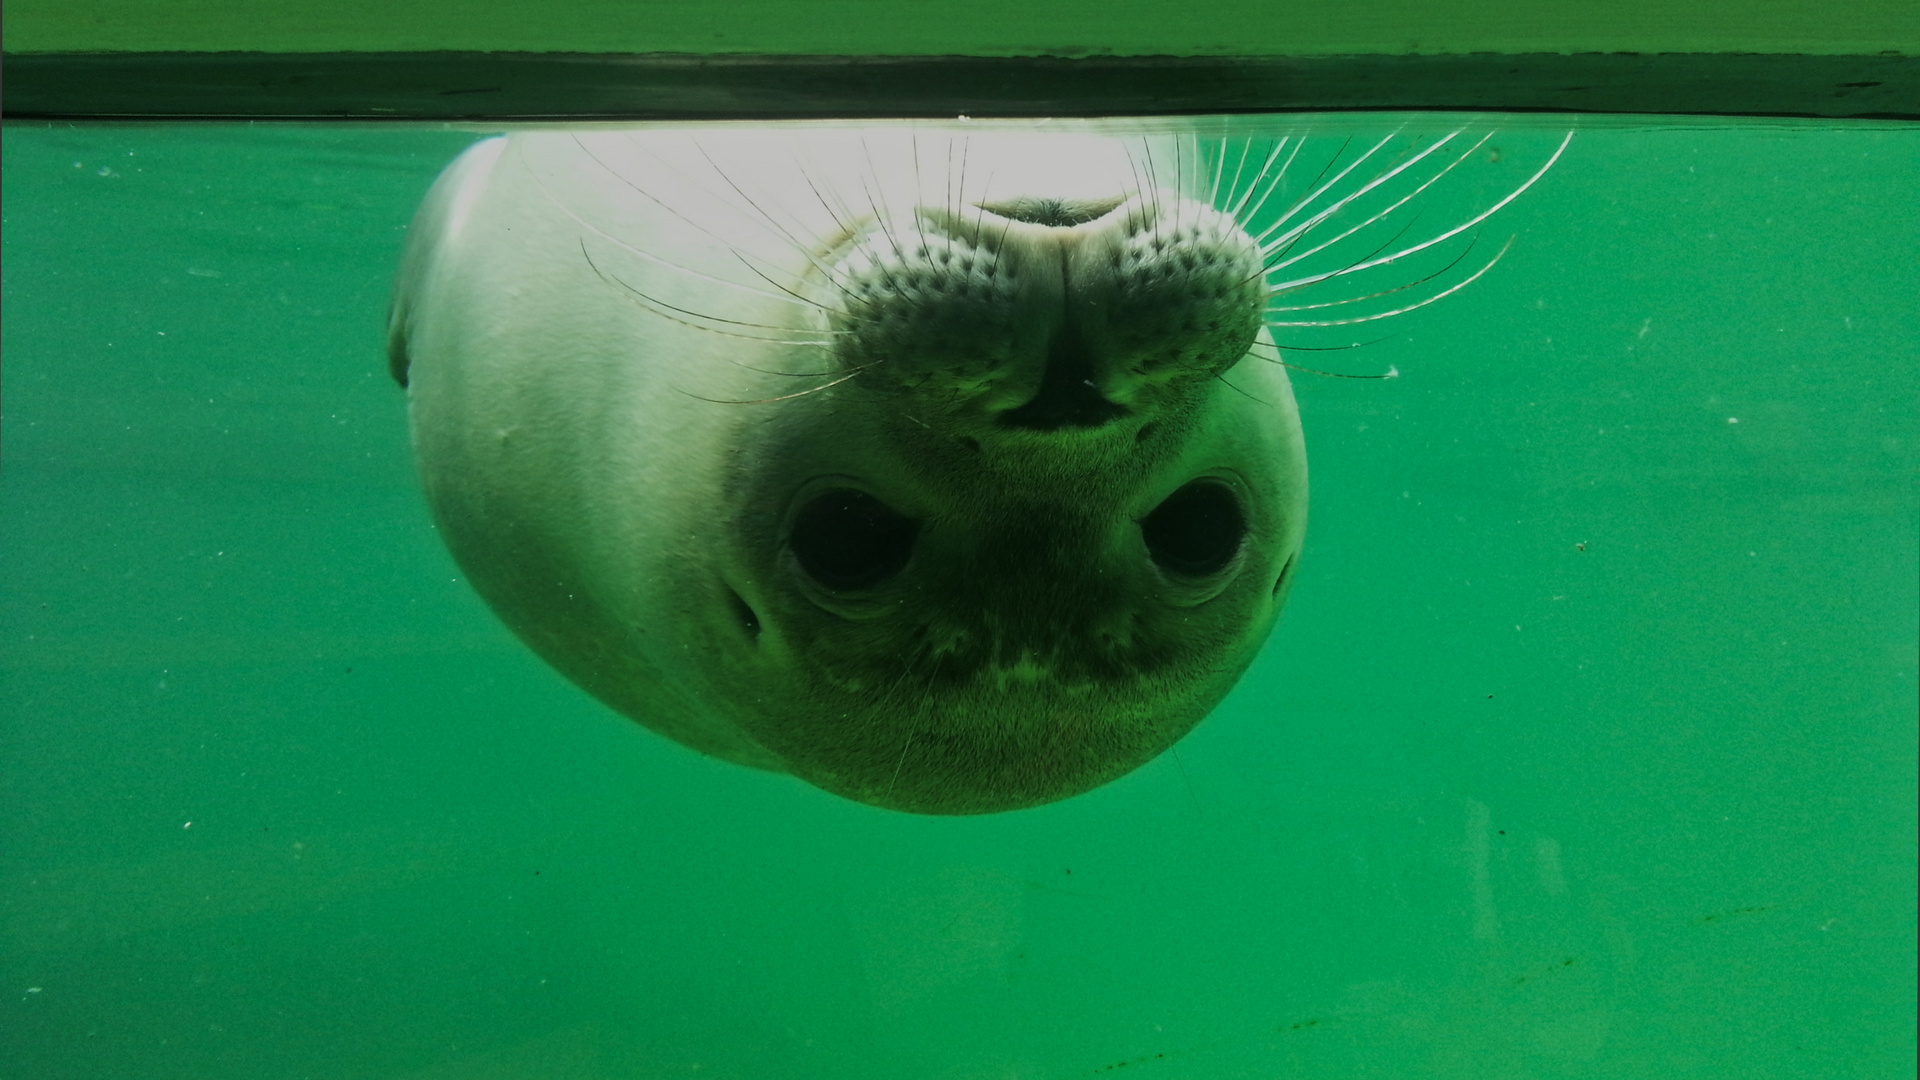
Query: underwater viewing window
[(1584, 747)]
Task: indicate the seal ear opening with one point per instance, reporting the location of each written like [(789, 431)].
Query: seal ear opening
[(743, 611), (441, 213), (1280, 583), (398, 359)]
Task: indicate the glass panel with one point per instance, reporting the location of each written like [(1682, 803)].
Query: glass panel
[(1585, 746)]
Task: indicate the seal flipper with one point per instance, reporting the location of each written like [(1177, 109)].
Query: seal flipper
[(440, 216)]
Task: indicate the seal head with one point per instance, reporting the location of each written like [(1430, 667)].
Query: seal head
[(984, 503)]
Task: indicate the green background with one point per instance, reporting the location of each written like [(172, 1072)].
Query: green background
[(1586, 747)]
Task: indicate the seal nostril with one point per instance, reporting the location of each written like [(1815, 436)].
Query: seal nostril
[(847, 539), (1197, 531), (744, 612)]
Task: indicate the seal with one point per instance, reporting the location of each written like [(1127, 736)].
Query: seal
[(943, 470)]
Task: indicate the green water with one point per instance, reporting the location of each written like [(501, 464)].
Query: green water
[(1585, 748)]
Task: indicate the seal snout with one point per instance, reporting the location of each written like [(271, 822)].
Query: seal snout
[(1044, 314)]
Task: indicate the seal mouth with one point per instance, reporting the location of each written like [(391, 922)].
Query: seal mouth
[(1068, 396), (1063, 403)]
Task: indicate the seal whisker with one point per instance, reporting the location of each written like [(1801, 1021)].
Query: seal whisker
[(1213, 193), (781, 230), (1142, 182), (1158, 195), (1182, 180), (981, 211), (814, 304), (919, 187), (795, 374), (1278, 251), (1279, 348), (881, 215), (1196, 168), (670, 312), (1240, 210), (1282, 247), (957, 162), (1179, 175), (827, 271), (1278, 263), (767, 220), (841, 214), (1273, 186), (649, 256), (931, 682), (772, 224), (1273, 246), (784, 397), (946, 178), (1153, 191), (1275, 290), (1234, 206), (1236, 198), (1441, 295), (789, 296), (1191, 794), (1391, 372), (1266, 235), (1140, 197), (898, 765), (1225, 201), (843, 218), (1415, 283), (1221, 378), (1445, 236), (957, 199)]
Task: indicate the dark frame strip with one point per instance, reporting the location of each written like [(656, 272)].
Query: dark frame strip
[(451, 86)]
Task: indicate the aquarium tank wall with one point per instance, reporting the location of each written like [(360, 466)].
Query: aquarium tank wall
[(1584, 747)]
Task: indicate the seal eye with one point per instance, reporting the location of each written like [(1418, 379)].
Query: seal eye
[(1197, 531), (847, 539)]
